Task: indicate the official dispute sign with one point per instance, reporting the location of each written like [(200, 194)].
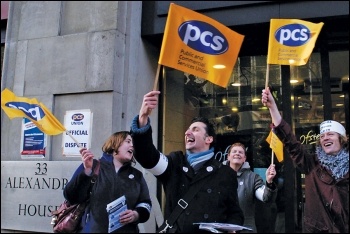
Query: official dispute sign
[(79, 124)]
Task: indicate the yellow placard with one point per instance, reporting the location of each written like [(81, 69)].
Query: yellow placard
[(199, 45), (291, 41)]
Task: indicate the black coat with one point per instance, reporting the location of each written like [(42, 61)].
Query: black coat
[(109, 186), (217, 200)]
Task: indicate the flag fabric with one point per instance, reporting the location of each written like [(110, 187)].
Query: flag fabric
[(291, 41), (31, 109), (199, 45), (276, 145)]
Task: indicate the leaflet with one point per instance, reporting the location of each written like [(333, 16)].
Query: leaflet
[(221, 227), (114, 209)]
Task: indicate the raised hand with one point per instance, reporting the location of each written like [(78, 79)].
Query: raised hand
[(150, 101)]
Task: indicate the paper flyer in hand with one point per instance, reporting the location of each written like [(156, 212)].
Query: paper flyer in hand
[(221, 227), (114, 209)]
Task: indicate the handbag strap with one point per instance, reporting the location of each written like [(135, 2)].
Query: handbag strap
[(96, 172), (181, 206), (65, 204), (95, 175)]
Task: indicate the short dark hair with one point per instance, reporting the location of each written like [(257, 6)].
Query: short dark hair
[(209, 127)]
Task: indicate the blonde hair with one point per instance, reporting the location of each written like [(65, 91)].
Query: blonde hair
[(344, 142), (237, 144)]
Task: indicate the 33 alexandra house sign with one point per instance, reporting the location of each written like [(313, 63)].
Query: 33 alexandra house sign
[(78, 123)]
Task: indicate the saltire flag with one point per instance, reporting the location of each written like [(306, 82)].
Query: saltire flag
[(276, 145), (199, 45), (291, 41), (31, 109)]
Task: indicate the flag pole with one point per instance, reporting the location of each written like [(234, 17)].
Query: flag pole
[(266, 85), (155, 85), (156, 78), (267, 75), (75, 140), (272, 156)]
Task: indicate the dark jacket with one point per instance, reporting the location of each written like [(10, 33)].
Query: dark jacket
[(326, 199), (251, 185), (217, 199), (109, 186)]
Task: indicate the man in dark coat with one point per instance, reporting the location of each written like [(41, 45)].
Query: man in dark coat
[(217, 199)]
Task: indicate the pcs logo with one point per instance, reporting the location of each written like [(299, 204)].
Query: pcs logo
[(33, 111), (203, 37), (293, 35), (77, 117)]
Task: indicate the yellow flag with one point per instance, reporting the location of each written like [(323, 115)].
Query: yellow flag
[(199, 45), (291, 41), (31, 109), (276, 145)]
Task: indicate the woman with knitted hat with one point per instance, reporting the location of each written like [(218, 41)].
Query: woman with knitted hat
[(326, 172)]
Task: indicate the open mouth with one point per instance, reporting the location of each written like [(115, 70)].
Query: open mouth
[(189, 140), (236, 157)]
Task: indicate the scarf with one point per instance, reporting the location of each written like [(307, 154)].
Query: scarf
[(194, 159), (338, 165)]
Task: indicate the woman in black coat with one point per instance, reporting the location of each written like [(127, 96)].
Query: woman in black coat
[(117, 177)]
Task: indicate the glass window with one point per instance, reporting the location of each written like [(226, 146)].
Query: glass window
[(239, 115), (236, 111)]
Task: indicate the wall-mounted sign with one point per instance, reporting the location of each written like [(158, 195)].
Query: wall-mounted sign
[(30, 190), (79, 124), (33, 141)]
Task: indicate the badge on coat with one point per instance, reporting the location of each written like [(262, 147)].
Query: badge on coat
[(209, 169)]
